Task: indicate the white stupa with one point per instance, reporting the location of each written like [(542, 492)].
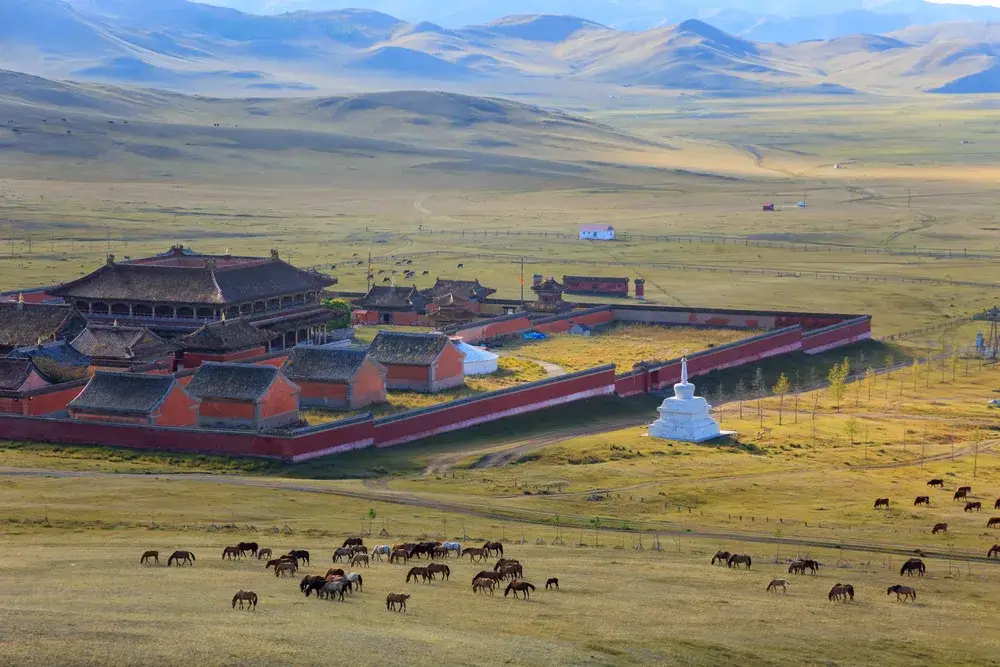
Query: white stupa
[(684, 416)]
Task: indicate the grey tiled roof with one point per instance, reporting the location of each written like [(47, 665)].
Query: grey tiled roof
[(121, 343), (25, 323), (13, 373), (57, 362), (192, 284), (407, 349), (324, 363), (227, 335), (232, 382), (466, 289), (405, 298), (123, 393)]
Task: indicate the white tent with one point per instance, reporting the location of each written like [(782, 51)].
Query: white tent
[(478, 360)]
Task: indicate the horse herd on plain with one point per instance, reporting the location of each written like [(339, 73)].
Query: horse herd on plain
[(963, 493), (336, 582)]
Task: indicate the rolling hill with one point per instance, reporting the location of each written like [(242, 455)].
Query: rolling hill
[(192, 47)]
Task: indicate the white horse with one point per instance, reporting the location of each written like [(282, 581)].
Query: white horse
[(381, 550), (355, 579), (332, 588), (453, 546)]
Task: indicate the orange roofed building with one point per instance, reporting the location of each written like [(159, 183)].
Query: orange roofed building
[(134, 398), (246, 396), (338, 378), (425, 362)]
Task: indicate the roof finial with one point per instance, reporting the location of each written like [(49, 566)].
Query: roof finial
[(223, 318), (111, 259), (115, 323), (20, 301), (274, 254)]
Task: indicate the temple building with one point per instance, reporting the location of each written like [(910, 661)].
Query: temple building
[(226, 340), (118, 347), (23, 324), (549, 296), (391, 305), (134, 398), (470, 290), (245, 396), (424, 362), (179, 291), (336, 378)]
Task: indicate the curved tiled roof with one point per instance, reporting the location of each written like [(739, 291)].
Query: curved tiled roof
[(14, 373), (226, 335), (25, 323), (324, 363), (122, 343), (123, 393), (407, 349), (232, 382), (393, 297)]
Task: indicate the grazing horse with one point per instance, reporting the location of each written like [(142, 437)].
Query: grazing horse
[(263, 553), (939, 528), (797, 567), (353, 542), (312, 583), (493, 547), (359, 549), (358, 559), (441, 552), (775, 584), (393, 599), (519, 587), (961, 494), (475, 554), (902, 592), (453, 546), (232, 552), (995, 549), (936, 482), (967, 489), (996, 505), (911, 566), (274, 562), (841, 592), (922, 500), (342, 552), (403, 554), (248, 546), (811, 564), (483, 584), (737, 559), (502, 562), (421, 572), (488, 574), (299, 554), (513, 571), (333, 588), (246, 596), (882, 502), (334, 572), (283, 568), (994, 522), (552, 583), (355, 580), (721, 557), (381, 550), (974, 506), (435, 568), (181, 557), (155, 555)]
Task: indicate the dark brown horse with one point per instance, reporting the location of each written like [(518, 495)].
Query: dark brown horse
[(512, 572), (439, 568), (493, 548), (334, 572), (263, 553), (393, 599), (882, 502), (939, 528), (936, 482), (475, 554), (353, 542), (922, 500), (299, 555), (275, 562), (488, 574), (246, 596), (739, 559), (841, 592), (974, 506), (519, 587), (967, 489), (232, 553), (961, 494), (441, 552), (994, 522), (359, 549), (248, 546), (552, 583), (154, 555), (181, 557), (503, 561), (399, 554), (483, 584), (902, 592), (995, 549), (312, 583), (721, 557), (800, 566), (421, 572), (911, 566), (996, 505)]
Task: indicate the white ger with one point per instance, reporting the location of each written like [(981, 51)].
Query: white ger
[(684, 416)]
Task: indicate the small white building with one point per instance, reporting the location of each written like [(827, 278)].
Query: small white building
[(478, 360), (597, 232)]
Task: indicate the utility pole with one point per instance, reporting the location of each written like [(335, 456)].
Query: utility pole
[(522, 282), (909, 197), (975, 461)]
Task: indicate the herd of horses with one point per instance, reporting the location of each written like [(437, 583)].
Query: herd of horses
[(962, 493)]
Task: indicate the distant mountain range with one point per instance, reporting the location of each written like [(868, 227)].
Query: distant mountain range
[(181, 45)]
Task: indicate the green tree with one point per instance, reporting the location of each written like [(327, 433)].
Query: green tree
[(852, 428), (741, 394), (371, 519), (596, 523), (781, 387), (837, 377), (340, 314), (870, 378), (759, 392)]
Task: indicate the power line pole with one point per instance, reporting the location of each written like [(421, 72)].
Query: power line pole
[(909, 197), (522, 282)]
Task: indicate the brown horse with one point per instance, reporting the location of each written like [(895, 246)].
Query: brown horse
[(475, 554), (312, 583), (299, 555), (882, 502), (841, 592), (421, 572), (488, 574), (996, 505), (248, 546), (155, 555), (441, 552), (393, 599), (439, 568), (911, 566), (246, 596), (263, 553), (939, 528), (275, 562), (775, 584), (359, 549), (922, 500), (398, 554), (552, 583), (334, 572), (503, 561), (512, 571), (353, 542), (483, 584), (961, 494), (967, 489), (994, 522), (358, 559), (974, 506), (283, 568), (232, 553), (342, 552), (902, 592), (519, 586), (936, 482), (739, 559), (995, 549), (721, 556), (181, 557), (493, 548), (797, 567)]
